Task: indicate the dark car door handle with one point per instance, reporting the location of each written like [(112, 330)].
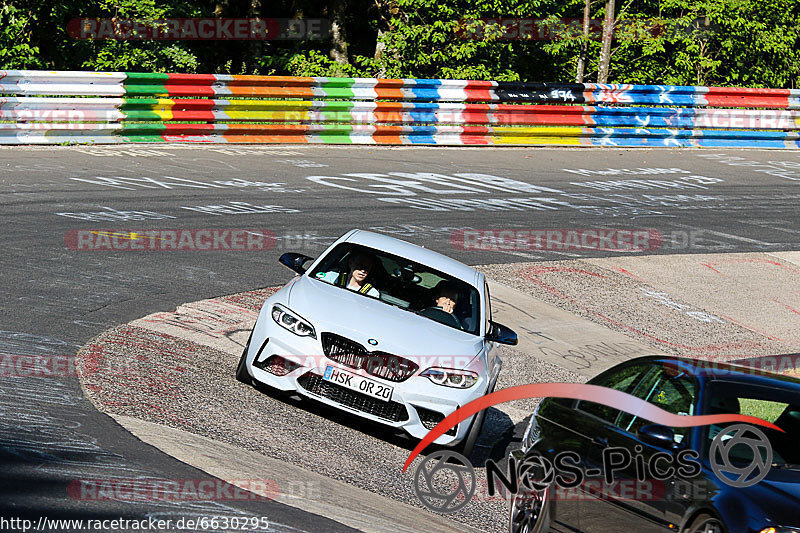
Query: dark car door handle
[(600, 441)]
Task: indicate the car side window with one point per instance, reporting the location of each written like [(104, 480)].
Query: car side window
[(673, 393), (624, 380)]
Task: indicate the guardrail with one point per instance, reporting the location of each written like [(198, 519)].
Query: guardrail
[(38, 107)]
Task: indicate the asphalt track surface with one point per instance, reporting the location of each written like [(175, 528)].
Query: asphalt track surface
[(56, 298)]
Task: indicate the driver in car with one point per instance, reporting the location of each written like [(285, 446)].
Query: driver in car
[(446, 298), (356, 277)]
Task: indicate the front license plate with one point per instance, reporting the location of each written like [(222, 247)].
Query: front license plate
[(358, 383)]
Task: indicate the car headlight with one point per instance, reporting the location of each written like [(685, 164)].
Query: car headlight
[(780, 529), (293, 322), (449, 377)]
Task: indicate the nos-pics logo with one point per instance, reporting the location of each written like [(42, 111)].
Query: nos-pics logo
[(445, 481)]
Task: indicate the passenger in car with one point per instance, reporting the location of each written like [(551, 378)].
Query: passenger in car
[(357, 276)]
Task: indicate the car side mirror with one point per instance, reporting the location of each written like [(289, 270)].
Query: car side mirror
[(502, 334), (657, 435), (295, 261)]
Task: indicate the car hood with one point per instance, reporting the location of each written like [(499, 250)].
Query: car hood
[(361, 318)]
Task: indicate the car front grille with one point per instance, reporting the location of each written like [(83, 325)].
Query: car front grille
[(391, 411), (430, 419), (379, 364)]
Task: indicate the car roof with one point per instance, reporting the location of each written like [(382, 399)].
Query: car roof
[(415, 253), (721, 371)]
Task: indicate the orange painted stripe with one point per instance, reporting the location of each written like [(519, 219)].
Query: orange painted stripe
[(388, 135)]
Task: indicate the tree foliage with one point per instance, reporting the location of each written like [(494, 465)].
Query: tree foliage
[(681, 42)]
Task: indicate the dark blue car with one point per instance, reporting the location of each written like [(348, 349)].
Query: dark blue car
[(692, 499)]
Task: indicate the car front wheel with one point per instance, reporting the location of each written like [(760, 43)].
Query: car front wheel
[(706, 523), (241, 370), (528, 509)]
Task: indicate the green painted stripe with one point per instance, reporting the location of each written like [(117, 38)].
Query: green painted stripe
[(147, 76), (336, 106), (141, 83), (338, 82), (145, 90), (337, 111), (138, 102), (143, 132), (338, 87), (139, 114), (338, 134)]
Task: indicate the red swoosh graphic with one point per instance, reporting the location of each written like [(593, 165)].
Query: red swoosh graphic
[(580, 391)]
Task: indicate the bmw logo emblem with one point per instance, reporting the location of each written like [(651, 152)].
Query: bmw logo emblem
[(373, 342)]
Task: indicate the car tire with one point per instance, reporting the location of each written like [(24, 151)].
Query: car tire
[(705, 523), (241, 370), (528, 512), (467, 445)]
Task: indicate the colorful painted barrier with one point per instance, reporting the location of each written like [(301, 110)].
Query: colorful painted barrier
[(39, 107)]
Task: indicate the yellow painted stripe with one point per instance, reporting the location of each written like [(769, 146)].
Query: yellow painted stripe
[(269, 104), (568, 135), (282, 116), (162, 109)]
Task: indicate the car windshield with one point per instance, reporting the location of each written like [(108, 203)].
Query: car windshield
[(402, 283), (781, 407)]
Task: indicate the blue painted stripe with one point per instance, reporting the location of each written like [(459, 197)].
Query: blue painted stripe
[(424, 111), (426, 89), (422, 134)]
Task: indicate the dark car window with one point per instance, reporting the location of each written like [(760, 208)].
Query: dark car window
[(663, 387), (781, 407), (405, 284), (624, 380)]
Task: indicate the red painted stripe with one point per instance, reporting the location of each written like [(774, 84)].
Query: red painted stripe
[(541, 115), (198, 79), (747, 97), (476, 135), (479, 91), (192, 115), (271, 92), (266, 133), (191, 105), (189, 129), (477, 113), (188, 90), (480, 84)]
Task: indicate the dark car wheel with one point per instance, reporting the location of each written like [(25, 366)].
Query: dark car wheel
[(241, 370), (528, 511), (705, 523)]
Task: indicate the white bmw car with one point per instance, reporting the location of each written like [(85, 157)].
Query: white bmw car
[(383, 329)]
